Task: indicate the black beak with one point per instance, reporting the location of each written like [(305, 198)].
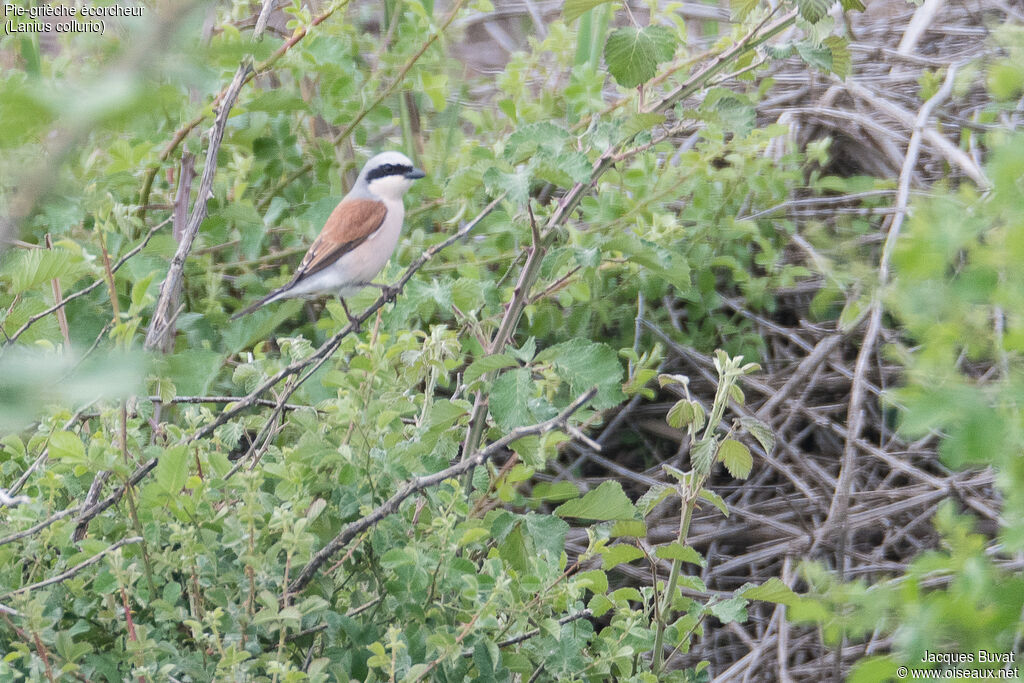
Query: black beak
[(415, 174)]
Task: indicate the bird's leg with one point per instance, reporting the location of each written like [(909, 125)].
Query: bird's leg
[(351, 320)]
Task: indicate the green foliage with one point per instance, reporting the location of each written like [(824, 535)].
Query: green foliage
[(633, 54), (956, 291), (467, 582)]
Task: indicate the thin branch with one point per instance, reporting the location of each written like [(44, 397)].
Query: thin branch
[(417, 484), (262, 67), (583, 614), (161, 327), (328, 347), (40, 526), (64, 576), (82, 292), (225, 399)]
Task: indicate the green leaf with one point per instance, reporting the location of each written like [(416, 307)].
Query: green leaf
[(715, 499), (621, 553), (596, 581), (574, 9), (733, 112), (732, 609), (629, 528), (736, 458), (665, 379), (1005, 80), (678, 551), (607, 502), (818, 56), (813, 10), (584, 364), (172, 469), (482, 366), (510, 396), (555, 491), (547, 534), (760, 431), (473, 535), (839, 48), (741, 9), (655, 495), (680, 415), (513, 550), (702, 454), (772, 590), (633, 54), (852, 5), (599, 605), (66, 445), (641, 122), (876, 668), (29, 269)]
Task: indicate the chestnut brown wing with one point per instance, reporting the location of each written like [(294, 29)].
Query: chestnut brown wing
[(349, 225)]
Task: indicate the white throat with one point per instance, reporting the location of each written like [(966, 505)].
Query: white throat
[(391, 187)]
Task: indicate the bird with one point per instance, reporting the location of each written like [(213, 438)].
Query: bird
[(358, 238)]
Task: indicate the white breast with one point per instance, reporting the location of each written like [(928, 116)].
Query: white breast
[(357, 268)]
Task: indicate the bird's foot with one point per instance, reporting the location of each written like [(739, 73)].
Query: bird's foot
[(390, 293), (354, 322)]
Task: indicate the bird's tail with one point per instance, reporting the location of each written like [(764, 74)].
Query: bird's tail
[(273, 296)]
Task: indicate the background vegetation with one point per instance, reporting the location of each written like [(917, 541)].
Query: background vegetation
[(662, 248)]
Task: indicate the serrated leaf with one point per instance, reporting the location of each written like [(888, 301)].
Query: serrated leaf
[(621, 553), (781, 51), (633, 54), (702, 455), (715, 499), (605, 503), (527, 140), (760, 431), (700, 418), (513, 550), (599, 605), (852, 5), (172, 469), (574, 9), (732, 111), (555, 491), (482, 366), (680, 415), (510, 397), (839, 48), (772, 590), (678, 551), (736, 458), (733, 609), (655, 495), (29, 269), (640, 123), (818, 56), (596, 579), (813, 10), (584, 364), (741, 9)]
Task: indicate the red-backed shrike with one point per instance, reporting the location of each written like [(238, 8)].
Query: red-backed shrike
[(359, 237)]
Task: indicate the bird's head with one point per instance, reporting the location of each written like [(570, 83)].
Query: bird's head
[(388, 175)]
